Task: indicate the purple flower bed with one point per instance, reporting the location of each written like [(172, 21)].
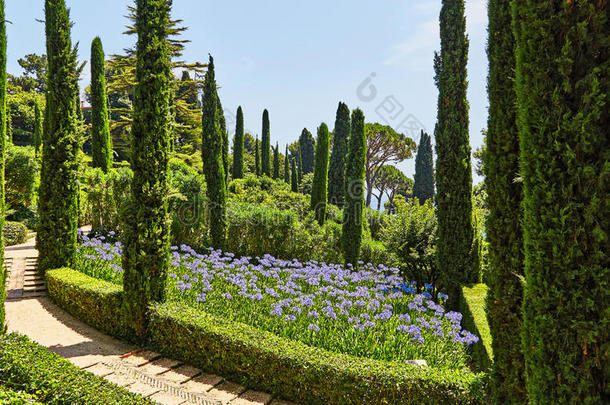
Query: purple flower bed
[(370, 313)]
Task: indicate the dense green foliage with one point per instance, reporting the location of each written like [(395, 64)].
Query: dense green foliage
[(257, 157), (58, 192), (319, 188), (336, 169), (391, 181), (472, 306), (146, 230), (503, 227), (423, 186), (38, 128), (8, 396), (101, 146), (238, 146), (106, 196), (266, 146), (212, 161), (276, 162), (294, 181), (354, 190), (3, 272), (14, 233), (286, 167), (222, 125), (307, 150), (299, 164), (562, 87), (453, 171), (53, 379)]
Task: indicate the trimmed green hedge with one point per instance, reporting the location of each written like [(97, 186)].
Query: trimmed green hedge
[(14, 233), (263, 360), (96, 302), (55, 380), (11, 397)]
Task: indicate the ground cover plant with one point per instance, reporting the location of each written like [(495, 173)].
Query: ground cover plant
[(371, 312)]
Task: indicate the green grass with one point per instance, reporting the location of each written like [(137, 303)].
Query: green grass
[(472, 307)]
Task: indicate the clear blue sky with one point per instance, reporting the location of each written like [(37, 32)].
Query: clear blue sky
[(298, 59)]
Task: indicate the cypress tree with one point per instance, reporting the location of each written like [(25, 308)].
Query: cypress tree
[(101, 146), (562, 87), (225, 141), (9, 126), (319, 187), (257, 159), (294, 181), (423, 185), (38, 128), (213, 165), (3, 272), (300, 165), (266, 146), (503, 229), (453, 171), (276, 162), (286, 167), (307, 145), (146, 252), (354, 190), (238, 146), (336, 170), (58, 191)]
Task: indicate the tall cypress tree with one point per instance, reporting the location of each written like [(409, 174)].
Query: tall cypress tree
[(257, 158), (266, 146), (222, 123), (453, 171), (58, 191), (300, 165), (101, 146), (146, 252), (238, 146), (423, 186), (286, 167), (212, 149), (276, 162), (562, 86), (307, 146), (354, 190), (336, 170), (504, 234), (319, 187), (38, 128), (3, 272), (294, 181)]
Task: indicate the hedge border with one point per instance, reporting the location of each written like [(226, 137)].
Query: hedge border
[(262, 360), (53, 379)]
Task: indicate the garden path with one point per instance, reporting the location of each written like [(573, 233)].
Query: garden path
[(30, 312)]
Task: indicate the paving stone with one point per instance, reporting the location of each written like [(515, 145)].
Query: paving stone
[(226, 392), (159, 366), (100, 369), (252, 398), (143, 389), (120, 379), (202, 383), (141, 358), (181, 374), (166, 398)]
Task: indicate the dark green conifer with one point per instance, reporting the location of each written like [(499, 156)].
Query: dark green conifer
[(306, 146), (58, 191), (300, 165), (222, 123), (3, 271), (423, 185), (276, 162), (562, 85), (257, 159), (319, 187), (286, 167), (336, 170), (453, 171), (38, 129), (266, 146), (146, 238), (354, 190), (213, 163), (101, 147), (238, 146), (504, 194), (294, 181)]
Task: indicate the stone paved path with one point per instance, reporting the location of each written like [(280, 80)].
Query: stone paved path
[(30, 312)]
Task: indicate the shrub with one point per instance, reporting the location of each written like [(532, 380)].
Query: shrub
[(12, 397), (14, 233), (106, 195), (21, 176), (374, 252), (55, 380), (306, 184), (376, 221)]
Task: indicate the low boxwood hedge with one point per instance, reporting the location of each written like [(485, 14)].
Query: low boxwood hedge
[(14, 233), (11, 397), (262, 360), (95, 302), (54, 380)]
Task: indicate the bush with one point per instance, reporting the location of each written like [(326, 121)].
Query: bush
[(55, 380), (21, 176), (15, 233), (11, 397), (106, 195), (372, 251), (375, 220)]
